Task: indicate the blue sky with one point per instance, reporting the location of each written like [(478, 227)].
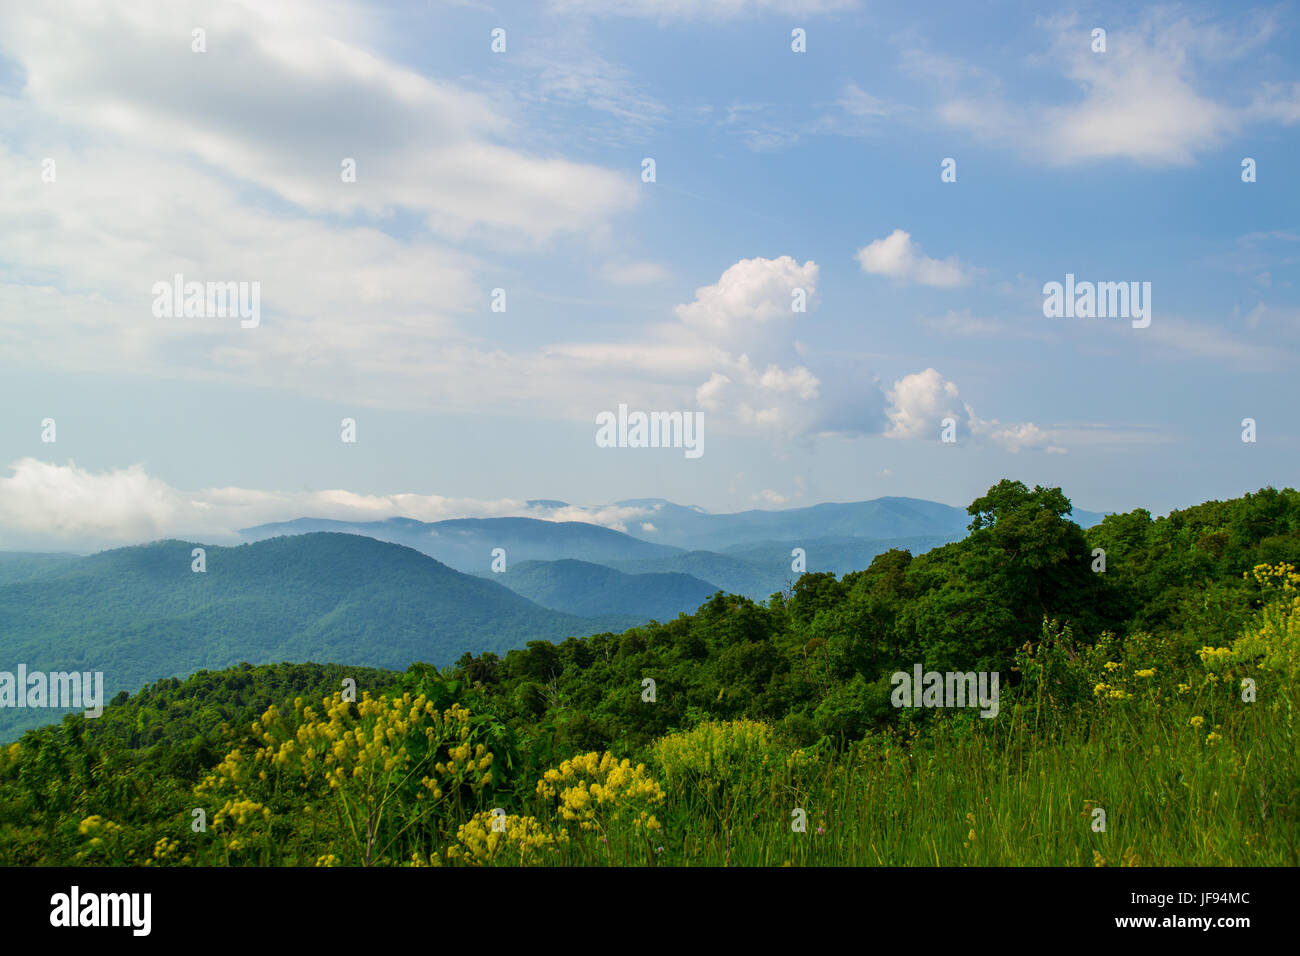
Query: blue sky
[(521, 170)]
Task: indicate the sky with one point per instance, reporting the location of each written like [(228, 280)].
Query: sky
[(448, 215)]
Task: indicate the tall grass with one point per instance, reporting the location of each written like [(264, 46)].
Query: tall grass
[(1002, 793)]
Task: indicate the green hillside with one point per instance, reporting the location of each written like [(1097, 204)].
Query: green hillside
[(23, 566), (731, 573), (1161, 690), (141, 613)]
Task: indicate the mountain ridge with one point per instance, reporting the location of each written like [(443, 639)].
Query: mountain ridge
[(140, 613)]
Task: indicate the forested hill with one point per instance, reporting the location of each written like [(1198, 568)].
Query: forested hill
[(141, 613), (819, 662), (751, 701)]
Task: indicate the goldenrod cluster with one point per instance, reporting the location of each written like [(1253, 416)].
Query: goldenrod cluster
[(97, 824), (734, 758), (1281, 576), (595, 790), (374, 739), (520, 840), (240, 812), (1272, 643), (381, 758), (98, 829)]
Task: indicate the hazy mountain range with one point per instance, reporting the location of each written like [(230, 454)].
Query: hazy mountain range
[(665, 529), (388, 593)]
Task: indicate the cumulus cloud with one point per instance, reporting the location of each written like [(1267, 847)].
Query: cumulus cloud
[(774, 399), (919, 403), (730, 349), (1013, 438), (750, 293), (898, 257), (45, 505)]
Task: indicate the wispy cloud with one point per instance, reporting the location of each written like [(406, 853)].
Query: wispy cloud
[(48, 506), (1142, 99)]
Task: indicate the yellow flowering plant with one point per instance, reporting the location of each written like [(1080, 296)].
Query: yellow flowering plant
[(599, 792), (729, 764), (504, 838), (389, 766)]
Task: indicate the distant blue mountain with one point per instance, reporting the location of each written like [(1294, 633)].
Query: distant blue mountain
[(747, 552), (467, 543), (594, 590), (881, 518)]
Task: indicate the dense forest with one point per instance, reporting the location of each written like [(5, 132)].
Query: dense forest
[(1148, 674), (140, 613)]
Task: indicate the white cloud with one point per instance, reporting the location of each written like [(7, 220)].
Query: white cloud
[(1179, 337), (798, 380), (1140, 100), (45, 505), (769, 126), (785, 401), (899, 258), (918, 403), (1013, 438), (858, 102), (709, 395), (569, 69), (751, 292), (280, 99), (230, 171), (1273, 316), (1277, 103)]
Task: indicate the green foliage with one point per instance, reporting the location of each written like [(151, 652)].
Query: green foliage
[(1121, 690), (140, 613)]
